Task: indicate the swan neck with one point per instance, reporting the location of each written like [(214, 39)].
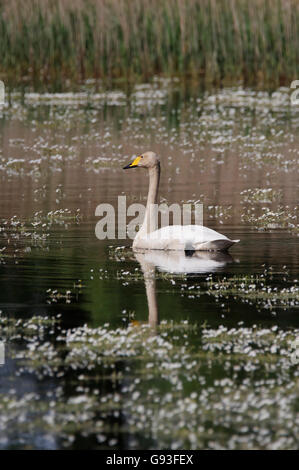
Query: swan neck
[(149, 272), (154, 177), (150, 287), (150, 219)]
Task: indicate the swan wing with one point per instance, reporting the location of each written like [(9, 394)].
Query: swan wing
[(184, 237)]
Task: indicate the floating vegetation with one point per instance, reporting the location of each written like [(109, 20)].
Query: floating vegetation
[(261, 196), (160, 378), (40, 220), (220, 213), (217, 120), (37, 326), (262, 290), (264, 296), (19, 235), (54, 296), (282, 218), (259, 343), (119, 253), (39, 225), (110, 98)]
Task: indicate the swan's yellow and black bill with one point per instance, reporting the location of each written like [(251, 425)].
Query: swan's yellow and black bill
[(132, 164)]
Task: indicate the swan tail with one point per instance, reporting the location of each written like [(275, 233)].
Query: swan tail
[(221, 244)]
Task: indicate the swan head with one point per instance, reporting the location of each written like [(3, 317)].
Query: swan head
[(145, 160)]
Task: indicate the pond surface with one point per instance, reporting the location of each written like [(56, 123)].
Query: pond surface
[(105, 348)]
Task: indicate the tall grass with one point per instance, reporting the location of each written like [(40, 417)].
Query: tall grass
[(253, 41)]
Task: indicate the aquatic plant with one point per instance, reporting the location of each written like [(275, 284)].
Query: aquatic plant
[(19, 235), (282, 218), (241, 379), (211, 40), (260, 195), (265, 291)]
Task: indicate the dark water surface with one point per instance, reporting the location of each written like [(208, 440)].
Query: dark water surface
[(127, 384)]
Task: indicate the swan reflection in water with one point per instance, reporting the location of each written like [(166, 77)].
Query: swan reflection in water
[(197, 262)]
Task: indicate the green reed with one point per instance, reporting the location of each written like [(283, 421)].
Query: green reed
[(215, 40)]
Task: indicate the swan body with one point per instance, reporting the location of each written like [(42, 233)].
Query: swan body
[(173, 237), (183, 237)]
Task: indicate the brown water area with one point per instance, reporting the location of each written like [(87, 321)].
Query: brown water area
[(233, 150)]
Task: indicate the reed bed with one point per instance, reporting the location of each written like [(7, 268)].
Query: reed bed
[(214, 40)]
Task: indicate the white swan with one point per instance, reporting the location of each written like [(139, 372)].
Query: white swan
[(174, 237)]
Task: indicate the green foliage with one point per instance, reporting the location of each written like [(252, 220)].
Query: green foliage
[(254, 41)]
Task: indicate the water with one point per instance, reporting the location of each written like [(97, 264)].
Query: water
[(176, 352)]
